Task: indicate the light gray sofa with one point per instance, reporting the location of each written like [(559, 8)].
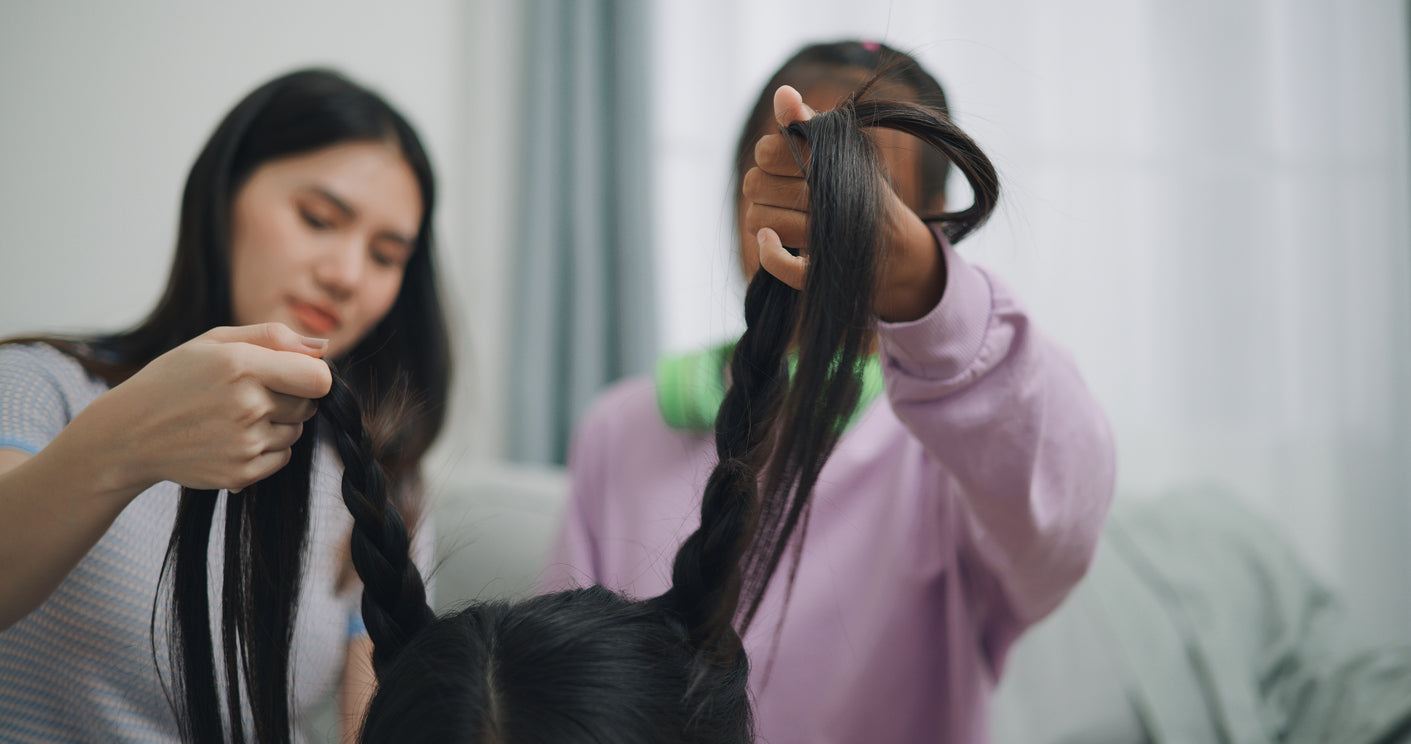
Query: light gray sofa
[(1196, 623)]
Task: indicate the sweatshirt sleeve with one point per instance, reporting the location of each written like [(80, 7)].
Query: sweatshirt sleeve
[(1005, 412)]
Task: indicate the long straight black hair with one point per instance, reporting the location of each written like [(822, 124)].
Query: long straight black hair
[(406, 356), (589, 665)]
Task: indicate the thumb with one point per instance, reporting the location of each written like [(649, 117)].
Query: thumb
[(777, 260), (789, 106), (275, 336)]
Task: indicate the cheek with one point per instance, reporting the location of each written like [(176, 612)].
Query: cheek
[(261, 262), (251, 278), (902, 153), (380, 295)]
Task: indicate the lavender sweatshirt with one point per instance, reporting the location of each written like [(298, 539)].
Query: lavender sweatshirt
[(954, 513)]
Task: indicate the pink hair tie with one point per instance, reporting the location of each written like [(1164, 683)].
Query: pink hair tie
[(871, 46)]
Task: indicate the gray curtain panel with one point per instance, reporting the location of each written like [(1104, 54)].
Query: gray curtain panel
[(583, 311)]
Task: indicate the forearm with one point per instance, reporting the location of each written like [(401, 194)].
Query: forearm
[(359, 685), (1032, 454), (1007, 413), (54, 507)]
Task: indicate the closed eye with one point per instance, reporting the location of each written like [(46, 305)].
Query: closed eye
[(314, 221), (394, 256)]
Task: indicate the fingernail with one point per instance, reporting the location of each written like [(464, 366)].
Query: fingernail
[(315, 343), (760, 237)]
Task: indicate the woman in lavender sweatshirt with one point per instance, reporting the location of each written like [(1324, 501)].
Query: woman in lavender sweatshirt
[(957, 510)]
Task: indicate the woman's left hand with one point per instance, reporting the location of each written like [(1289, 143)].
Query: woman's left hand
[(913, 276)]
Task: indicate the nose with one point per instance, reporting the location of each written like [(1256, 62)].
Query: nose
[(340, 268)]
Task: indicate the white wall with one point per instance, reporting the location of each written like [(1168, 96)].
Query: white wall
[(106, 105)]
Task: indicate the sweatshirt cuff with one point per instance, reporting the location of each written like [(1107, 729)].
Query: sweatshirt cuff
[(943, 343)]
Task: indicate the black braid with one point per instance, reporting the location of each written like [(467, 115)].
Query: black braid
[(394, 597), (706, 575)]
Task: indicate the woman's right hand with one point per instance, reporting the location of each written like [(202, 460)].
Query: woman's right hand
[(219, 411)]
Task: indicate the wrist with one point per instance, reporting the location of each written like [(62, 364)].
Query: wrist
[(102, 455), (915, 274)]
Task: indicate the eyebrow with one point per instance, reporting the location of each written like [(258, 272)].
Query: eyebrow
[(348, 210)]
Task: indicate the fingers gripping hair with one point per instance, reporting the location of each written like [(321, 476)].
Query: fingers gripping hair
[(834, 328)]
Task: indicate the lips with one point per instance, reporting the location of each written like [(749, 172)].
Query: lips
[(319, 320)]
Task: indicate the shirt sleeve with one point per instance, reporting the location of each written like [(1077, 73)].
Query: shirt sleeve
[(33, 409), (1009, 417), (356, 627)]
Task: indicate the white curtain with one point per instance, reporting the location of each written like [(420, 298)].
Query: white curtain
[(1207, 201), (580, 308)]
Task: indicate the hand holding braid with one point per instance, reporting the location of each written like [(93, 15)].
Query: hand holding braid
[(773, 429), (774, 434), (394, 596)]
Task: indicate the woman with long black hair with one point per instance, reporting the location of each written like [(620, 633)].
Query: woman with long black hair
[(305, 234)]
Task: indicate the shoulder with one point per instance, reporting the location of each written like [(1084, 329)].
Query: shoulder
[(41, 389), (18, 361)]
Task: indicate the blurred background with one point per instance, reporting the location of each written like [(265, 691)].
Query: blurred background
[(1208, 202)]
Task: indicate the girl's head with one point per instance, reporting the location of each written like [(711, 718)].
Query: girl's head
[(825, 74), (579, 665)]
